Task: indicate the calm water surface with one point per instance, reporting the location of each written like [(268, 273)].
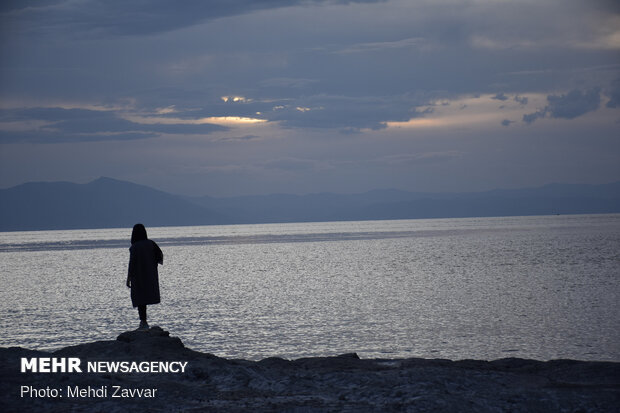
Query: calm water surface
[(485, 288)]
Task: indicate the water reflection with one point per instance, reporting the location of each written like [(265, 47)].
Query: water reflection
[(537, 287)]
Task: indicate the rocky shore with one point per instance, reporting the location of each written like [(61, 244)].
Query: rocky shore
[(322, 384)]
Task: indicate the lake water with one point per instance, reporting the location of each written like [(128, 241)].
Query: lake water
[(485, 288)]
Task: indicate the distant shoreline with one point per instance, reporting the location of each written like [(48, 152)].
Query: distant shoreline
[(210, 383), (102, 204)]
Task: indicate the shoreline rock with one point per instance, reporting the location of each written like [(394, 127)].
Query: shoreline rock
[(317, 384)]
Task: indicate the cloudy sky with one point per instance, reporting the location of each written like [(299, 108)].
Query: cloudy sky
[(231, 97)]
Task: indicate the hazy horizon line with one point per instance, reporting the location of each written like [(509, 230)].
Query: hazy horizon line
[(376, 189)]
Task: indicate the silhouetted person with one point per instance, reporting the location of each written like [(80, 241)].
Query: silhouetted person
[(142, 277)]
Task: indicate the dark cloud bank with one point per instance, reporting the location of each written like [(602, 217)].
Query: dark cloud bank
[(568, 106), (140, 17), (77, 125)]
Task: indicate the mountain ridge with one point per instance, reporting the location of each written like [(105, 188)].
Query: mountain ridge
[(108, 203), (102, 203)]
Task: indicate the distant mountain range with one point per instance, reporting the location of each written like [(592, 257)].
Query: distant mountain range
[(109, 203)]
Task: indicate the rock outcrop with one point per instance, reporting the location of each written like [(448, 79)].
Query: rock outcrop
[(342, 383)]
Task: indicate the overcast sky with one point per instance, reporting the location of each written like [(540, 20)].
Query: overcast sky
[(233, 97)]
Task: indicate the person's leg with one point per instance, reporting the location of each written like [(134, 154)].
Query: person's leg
[(142, 312)]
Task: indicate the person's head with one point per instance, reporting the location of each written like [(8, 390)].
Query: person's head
[(138, 233)]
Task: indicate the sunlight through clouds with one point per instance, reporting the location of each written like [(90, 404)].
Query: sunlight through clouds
[(483, 111), (217, 120), (235, 99), (232, 120)]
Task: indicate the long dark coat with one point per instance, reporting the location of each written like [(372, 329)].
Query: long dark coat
[(143, 259)]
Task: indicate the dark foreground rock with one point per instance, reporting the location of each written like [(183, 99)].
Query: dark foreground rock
[(321, 384)]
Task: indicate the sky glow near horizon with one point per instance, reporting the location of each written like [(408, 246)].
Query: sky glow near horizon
[(252, 97)]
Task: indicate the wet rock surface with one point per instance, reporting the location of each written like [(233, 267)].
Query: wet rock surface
[(320, 384)]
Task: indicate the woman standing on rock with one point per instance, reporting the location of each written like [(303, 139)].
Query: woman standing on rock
[(142, 277)]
